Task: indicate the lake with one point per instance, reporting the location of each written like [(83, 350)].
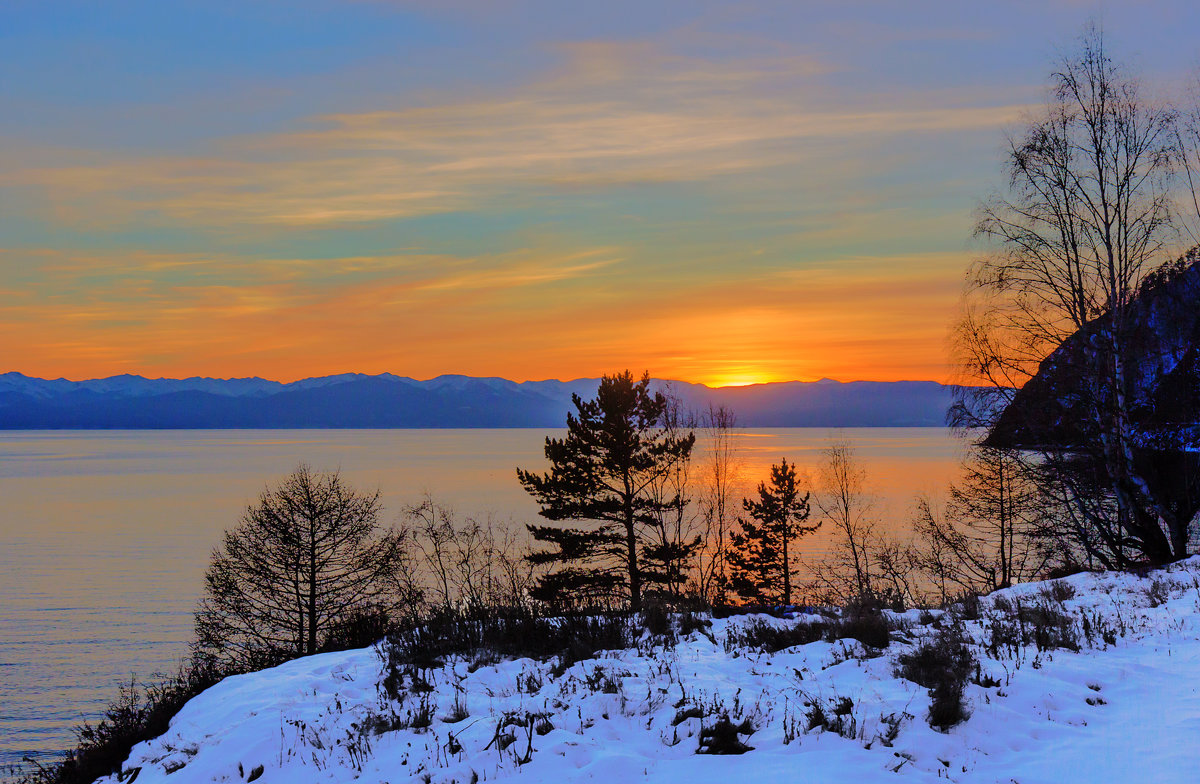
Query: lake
[(105, 535)]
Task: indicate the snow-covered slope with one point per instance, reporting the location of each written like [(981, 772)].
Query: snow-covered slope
[(1122, 710)]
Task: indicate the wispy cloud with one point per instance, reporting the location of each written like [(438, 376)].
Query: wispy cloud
[(613, 114), (513, 315), (692, 202)]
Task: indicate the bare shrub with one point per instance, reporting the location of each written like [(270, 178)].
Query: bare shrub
[(967, 606), (513, 633), (1158, 592), (941, 663), (766, 637), (1043, 625), (1058, 591), (863, 620), (463, 560), (140, 712), (834, 715), (360, 628), (1048, 627), (723, 737)]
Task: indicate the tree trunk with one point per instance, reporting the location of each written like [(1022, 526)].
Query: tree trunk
[(787, 572), (312, 595), (1179, 539), (635, 577), (631, 559), (300, 617)]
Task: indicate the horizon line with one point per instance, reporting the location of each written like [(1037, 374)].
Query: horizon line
[(823, 379)]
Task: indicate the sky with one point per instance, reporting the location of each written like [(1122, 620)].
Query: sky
[(716, 192)]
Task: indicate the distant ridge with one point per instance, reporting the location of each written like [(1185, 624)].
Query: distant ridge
[(354, 400)]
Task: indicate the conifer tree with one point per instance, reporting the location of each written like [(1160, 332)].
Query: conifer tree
[(761, 558), (600, 494)]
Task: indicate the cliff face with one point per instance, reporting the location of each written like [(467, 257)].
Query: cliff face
[(1162, 368)]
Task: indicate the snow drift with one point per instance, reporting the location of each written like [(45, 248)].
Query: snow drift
[(1125, 706)]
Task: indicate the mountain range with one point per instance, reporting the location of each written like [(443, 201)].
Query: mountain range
[(355, 400)]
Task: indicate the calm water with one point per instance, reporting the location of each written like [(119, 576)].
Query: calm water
[(104, 536)]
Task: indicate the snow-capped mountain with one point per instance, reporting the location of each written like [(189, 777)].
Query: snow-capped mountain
[(386, 400)]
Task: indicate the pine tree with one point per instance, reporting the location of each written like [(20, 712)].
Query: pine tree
[(761, 559), (600, 493)]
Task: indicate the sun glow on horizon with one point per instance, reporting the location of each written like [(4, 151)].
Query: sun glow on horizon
[(739, 379)]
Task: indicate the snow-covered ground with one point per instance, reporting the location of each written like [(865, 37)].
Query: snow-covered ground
[(1123, 711)]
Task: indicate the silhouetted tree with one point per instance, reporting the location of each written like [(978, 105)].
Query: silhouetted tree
[(991, 533), (1188, 142), (719, 475), (601, 494), (849, 569), (307, 555), (1086, 218), (672, 543), (462, 561), (761, 555)]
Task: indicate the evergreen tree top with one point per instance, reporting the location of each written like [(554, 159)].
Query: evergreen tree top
[(603, 494)]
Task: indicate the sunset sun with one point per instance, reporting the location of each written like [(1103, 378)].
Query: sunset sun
[(739, 378)]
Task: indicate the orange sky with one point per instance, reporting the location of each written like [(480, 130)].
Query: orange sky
[(876, 318)]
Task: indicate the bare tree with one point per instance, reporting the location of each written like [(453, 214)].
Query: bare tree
[(847, 507), (431, 535), (511, 574), (464, 561), (718, 498), (1082, 517), (673, 538), (898, 579), (1188, 145), (1085, 218), (307, 555), (931, 555), (992, 531)]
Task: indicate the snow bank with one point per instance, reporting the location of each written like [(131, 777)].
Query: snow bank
[(1126, 709)]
